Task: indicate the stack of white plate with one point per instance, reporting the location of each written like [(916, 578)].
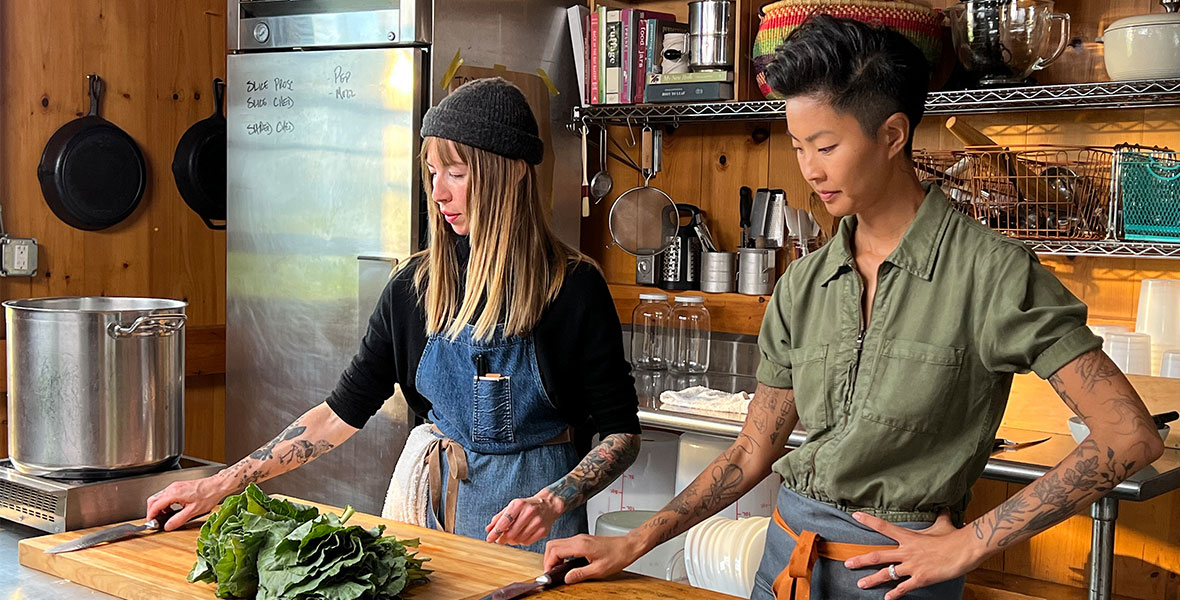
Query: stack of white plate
[(722, 555)]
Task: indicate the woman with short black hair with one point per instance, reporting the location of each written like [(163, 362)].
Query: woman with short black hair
[(894, 345)]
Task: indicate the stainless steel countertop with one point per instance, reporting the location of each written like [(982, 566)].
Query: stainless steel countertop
[(22, 583), (1018, 466)]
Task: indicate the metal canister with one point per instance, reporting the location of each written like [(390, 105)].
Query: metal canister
[(756, 271), (710, 35), (718, 271)]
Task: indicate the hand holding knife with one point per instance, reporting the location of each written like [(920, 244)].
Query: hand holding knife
[(114, 534), (548, 580)]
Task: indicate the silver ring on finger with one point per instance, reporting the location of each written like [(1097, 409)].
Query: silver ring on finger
[(511, 518), (893, 573)]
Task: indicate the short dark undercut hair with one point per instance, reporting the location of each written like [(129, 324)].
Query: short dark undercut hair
[(869, 72)]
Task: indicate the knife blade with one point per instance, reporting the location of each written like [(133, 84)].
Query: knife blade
[(550, 579), (1009, 445), (113, 534)]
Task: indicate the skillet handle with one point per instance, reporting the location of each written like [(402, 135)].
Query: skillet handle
[(94, 89), (219, 96)]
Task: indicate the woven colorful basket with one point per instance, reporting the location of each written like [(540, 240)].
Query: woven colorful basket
[(920, 24)]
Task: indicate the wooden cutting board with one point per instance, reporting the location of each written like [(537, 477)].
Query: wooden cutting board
[(154, 567)]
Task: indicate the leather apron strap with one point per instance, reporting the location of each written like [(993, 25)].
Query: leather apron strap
[(794, 582), (443, 447)]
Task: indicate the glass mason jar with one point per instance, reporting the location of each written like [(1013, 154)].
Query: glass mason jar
[(649, 332), (690, 335)]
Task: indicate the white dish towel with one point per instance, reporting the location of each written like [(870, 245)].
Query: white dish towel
[(408, 498), (700, 397)]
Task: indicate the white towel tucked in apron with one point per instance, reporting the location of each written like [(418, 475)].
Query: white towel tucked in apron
[(408, 498)]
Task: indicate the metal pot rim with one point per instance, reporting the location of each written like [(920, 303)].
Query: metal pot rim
[(102, 304)]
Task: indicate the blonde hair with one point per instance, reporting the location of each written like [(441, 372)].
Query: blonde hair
[(521, 263)]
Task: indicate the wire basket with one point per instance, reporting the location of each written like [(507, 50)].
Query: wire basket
[(1148, 186), (1043, 192), (951, 170)]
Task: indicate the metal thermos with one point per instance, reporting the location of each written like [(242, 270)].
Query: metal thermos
[(756, 271), (718, 271), (710, 35)]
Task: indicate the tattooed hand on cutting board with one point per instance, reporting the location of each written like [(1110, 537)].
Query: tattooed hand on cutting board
[(526, 520), (309, 437)]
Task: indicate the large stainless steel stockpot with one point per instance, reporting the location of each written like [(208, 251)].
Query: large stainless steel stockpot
[(95, 385)]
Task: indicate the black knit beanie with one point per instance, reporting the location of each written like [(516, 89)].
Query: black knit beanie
[(489, 114)]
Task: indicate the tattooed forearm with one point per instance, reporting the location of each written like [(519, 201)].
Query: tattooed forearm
[(286, 451), (605, 463), (726, 479), (1122, 441)]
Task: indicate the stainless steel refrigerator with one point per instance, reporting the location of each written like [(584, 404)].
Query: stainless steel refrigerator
[(324, 102)]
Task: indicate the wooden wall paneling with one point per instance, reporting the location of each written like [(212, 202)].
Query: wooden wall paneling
[(731, 159), (184, 90), (733, 313), (204, 423), (1161, 127), (154, 57)]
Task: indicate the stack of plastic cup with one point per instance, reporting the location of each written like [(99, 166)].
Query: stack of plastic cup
[(1159, 317), (1170, 364), (1131, 352), (1103, 331)]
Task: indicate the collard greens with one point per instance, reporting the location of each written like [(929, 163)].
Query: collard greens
[(271, 549)]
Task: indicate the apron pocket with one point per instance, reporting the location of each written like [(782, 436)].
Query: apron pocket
[(492, 421), (913, 386)]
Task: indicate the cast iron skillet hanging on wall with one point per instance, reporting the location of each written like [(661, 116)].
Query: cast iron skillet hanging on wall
[(92, 173), (199, 164)]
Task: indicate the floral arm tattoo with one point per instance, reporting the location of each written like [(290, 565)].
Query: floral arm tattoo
[(1094, 388), (287, 450), (605, 463)]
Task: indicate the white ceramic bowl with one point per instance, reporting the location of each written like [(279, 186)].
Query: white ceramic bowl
[(1079, 430), (1143, 47)]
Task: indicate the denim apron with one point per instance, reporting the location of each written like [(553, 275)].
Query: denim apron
[(503, 424), (830, 578)]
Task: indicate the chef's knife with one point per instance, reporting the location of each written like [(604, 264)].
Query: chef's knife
[(550, 579), (113, 534)]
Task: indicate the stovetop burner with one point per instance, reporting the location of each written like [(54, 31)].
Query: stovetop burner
[(183, 462), (57, 505)]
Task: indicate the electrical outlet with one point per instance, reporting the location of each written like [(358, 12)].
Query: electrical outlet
[(18, 257)]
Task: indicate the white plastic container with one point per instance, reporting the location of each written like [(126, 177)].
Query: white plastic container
[(1131, 352), (646, 485)]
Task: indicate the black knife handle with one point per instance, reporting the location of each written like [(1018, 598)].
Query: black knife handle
[(557, 574), (162, 517), (745, 205), (1164, 418)]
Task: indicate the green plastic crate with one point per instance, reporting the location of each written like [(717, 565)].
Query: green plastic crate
[(1149, 186)]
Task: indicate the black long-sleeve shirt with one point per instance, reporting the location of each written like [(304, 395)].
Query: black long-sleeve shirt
[(579, 348)]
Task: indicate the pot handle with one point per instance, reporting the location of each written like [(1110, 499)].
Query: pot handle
[(1062, 42), (149, 325)]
